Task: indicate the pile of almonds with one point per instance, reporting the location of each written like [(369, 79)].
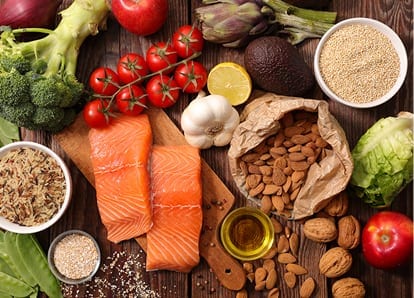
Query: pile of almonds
[(277, 168), (331, 225), (263, 274)]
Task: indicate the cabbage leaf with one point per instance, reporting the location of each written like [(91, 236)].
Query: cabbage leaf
[(383, 160)]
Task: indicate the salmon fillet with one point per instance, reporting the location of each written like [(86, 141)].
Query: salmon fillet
[(120, 155), (173, 240)]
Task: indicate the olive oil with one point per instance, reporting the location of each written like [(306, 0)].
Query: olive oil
[(247, 233)]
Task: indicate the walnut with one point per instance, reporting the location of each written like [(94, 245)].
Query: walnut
[(320, 229), (348, 287), (338, 206), (349, 232), (335, 262)]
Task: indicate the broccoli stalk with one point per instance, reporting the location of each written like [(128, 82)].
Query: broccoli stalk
[(38, 77)]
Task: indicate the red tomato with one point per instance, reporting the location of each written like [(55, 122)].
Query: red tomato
[(131, 67), (187, 40), (191, 76), (387, 239), (131, 100), (96, 114), (161, 55), (142, 17), (162, 91), (104, 81)]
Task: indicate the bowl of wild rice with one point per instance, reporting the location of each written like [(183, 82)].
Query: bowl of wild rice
[(360, 62), (35, 187)]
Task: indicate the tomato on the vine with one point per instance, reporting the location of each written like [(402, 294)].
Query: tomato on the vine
[(191, 76), (187, 40), (131, 100), (131, 67), (96, 113), (161, 55), (104, 81), (163, 91)]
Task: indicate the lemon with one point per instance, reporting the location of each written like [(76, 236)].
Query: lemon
[(230, 80)]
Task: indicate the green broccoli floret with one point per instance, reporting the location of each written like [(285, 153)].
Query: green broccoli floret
[(15, 88), (21, 115), (40, 75)]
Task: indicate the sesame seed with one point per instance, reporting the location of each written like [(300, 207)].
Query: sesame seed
[(75, 256), (359, 63)]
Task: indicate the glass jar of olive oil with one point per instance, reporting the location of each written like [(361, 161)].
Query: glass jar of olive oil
[(247, 233)]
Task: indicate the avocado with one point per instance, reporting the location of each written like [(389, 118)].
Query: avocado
[(276, 66)]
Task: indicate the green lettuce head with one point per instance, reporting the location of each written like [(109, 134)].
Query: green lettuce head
[(383, 160)]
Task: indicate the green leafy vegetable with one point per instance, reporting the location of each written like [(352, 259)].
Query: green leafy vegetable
[(9, 132), (383, 160), (24, 268), (38, 85)]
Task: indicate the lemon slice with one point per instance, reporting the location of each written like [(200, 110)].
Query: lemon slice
[(230, 80)]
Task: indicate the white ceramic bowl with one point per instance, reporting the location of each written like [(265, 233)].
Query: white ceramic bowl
[(16, 228), (395, 41)]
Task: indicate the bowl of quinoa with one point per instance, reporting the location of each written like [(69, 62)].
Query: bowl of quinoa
[(360, 62), (74, 257), (35, 187)]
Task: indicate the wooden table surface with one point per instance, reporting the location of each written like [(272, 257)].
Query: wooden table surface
[(114, 280)]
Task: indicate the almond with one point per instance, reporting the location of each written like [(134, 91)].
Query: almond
[(242, 294), (307, 288), (277, 226), (294, 244), (248, 267), (260, 275), (286, 258), (268, 265), (266, 204), (282, 244), (271, 279), (278, 177), (253, 180), (296, 268), (273, 293), (290, 279)]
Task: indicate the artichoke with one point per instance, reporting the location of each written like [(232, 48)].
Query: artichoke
[(233, 23)]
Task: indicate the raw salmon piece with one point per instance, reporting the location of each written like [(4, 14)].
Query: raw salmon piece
[(120, 154), (173, 241)]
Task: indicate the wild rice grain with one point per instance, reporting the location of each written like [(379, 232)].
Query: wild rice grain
[(359, 63)]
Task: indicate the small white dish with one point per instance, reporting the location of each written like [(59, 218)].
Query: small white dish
[(17, 228), (395, 41)]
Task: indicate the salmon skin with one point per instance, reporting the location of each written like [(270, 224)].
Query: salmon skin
[(173, 240), (120, 156)]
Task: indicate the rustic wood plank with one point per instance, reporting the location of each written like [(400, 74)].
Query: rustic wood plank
[(105, 48)]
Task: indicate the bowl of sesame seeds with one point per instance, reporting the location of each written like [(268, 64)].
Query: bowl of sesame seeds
[(35, 187), (360, 62), (74, 257)]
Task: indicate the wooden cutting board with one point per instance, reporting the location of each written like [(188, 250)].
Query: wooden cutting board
[(217, 199)]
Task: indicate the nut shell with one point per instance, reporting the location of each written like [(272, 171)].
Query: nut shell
[(320, 229), (335, 262), (349, 232), (348, 287)]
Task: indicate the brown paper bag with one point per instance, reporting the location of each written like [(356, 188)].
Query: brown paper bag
[(260, 120)]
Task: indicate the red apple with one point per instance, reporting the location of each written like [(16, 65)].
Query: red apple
[(387, 240), (142, 17)]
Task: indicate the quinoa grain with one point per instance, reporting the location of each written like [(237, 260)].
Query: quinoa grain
[(359, 63)]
